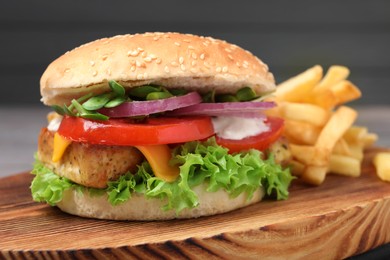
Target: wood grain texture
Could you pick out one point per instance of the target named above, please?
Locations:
(343, 217)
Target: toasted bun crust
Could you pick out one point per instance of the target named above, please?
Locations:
(170, 59)
(140, 208)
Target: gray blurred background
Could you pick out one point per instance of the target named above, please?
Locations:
(288, 35)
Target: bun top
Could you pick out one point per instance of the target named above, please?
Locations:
(169, 59)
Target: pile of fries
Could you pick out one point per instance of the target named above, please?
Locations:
(318, 126)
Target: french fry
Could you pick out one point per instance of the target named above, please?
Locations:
(382, 165)
(301, 132)
(344, 165)
(356, 151)
(337, 125)
(297, 168)
(324, 98)
(275, 111)
(297, 87)
(322, 140)
(345, 91)
(355, 134)
(304, 112)
(314, 174)
(322, 95)
(341, 148)
(369, 139)
(310, 155)
(334, 75)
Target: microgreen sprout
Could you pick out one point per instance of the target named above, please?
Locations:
(87, 105)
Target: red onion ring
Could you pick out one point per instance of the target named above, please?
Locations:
(241, 109)
(143, 108)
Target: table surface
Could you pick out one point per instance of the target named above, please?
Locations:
(19, 128)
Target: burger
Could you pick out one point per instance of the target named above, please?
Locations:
(158, 126)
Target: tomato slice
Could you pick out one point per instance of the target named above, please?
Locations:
(127, 132)
(260, 142)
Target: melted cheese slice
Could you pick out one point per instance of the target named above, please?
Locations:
(158, 157)
(59, 147)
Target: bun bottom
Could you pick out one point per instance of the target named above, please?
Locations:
(140, 208)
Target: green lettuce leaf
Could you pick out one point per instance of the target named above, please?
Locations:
(47, 186)
(199, 162)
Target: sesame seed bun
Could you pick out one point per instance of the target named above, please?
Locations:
(169, 59)
(140, 208)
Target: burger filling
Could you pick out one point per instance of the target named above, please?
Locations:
(161, 143)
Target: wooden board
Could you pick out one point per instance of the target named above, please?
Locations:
(343, 217)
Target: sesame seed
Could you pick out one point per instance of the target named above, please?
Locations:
(133, 68)
(174, 64)
(181, 60)
(158, 61)
(152, 56)
(238, 64)
(140, 76)
(187, 41)
(94, 73)
(177, 43)
(109, 72)
(201, 56)
(218, 69)
(193, 63)
(230, 57)
(193, 70)
(228, 50)
(145, 75)
(140, 49)
(133, 53)
(140, 64)
(194, 56)
(206, 64)
(166, 69)
(191, 47)
(148, 59)
(92, 63)
(183, 68)
(156, 38)
(66, 70)
(225, 69)
(143, 55)
(245, 65)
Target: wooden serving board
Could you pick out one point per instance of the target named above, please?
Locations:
(343, 217)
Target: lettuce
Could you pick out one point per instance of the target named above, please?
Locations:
(47, 186)
(199, 162)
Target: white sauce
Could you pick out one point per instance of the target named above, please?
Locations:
(237, 128)
(54, 124)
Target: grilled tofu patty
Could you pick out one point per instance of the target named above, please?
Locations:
(87, 164)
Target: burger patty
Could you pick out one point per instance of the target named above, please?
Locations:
(87, 164)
